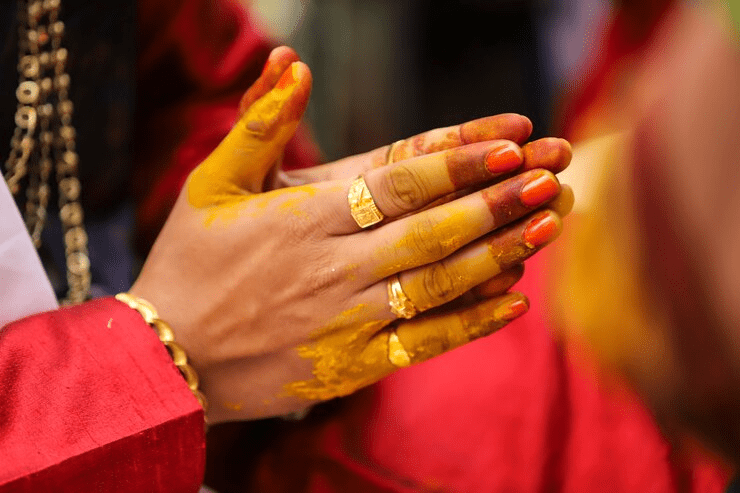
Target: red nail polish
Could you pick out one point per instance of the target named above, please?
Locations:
(503, 159)
(515, 310)
(539, 190)
(288, 77)
(541, 230)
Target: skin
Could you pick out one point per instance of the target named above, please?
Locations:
(277, 295)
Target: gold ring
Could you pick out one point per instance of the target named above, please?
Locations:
(391, 150)
(401, 305)
(397, 354)
(361, 204)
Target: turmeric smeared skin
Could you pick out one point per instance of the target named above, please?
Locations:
(430, 336)
(500, 127)
(507, 126)
(448, 227)
(550, 153)
(515, 243)
(433, 285)
(474, 164)
(348, 354)
(500, 283)
(236, 165)
(505, 200)
(451, 229)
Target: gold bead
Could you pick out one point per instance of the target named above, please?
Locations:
(27, 143)
(46, 85)
(61, 81)
(35, 10)
(33, 37)
(51, 5)
(190, 376)
(71, 214)
(177, 353)
(67, 132)
(75, 238)
(29, 66)
(70, 188)
(61, 55)
(70, 158)
(65, 108)
(46, 111)
(43, 193)
(78, 263)
(25, 117)
(164, 331)
(45, 166)
(27, 92)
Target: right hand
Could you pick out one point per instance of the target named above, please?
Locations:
(280, 299)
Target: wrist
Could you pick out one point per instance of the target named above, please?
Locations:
(167, 337)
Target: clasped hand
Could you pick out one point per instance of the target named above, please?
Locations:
(281, 299)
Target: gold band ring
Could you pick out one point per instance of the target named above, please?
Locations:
(361, 204)
(397, 354)
(401, 305)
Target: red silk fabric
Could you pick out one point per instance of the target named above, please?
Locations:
(92, 400)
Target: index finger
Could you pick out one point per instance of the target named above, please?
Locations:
(509, 126)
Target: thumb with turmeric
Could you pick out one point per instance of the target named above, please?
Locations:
(270, 111)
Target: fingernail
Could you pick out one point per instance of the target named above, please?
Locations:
(539, 190)
(288, 78)
(503, 159)
(541, 230)
(515, 310)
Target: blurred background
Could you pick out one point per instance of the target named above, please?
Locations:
(384, 69)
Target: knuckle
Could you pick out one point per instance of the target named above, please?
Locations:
(424, 243)
(298, 223)
(323, 277)
(405, 188)
(439, 284)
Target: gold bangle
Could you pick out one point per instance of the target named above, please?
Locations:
(165, 334)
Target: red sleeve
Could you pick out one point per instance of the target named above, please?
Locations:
(92, 401)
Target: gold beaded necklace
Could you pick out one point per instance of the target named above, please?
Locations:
(44, 138)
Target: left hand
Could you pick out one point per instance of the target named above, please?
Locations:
(280, 299)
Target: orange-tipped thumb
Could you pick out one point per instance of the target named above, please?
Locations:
(242, 160)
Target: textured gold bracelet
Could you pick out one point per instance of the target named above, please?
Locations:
(165, 334)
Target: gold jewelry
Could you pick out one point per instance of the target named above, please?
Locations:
(391, 150)
(165, 334)
(361, 204)
(44, 138)
(401, 305)
(397, 354)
